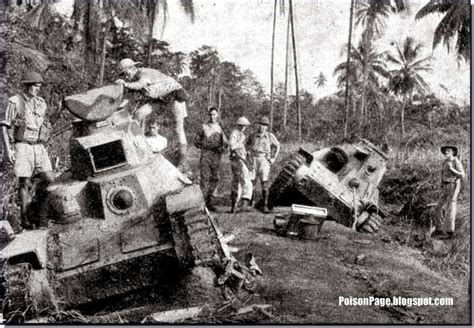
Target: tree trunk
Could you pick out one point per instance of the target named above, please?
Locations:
(349, 47)
(287, 61)
(220, 99)
(151, 22)
(272, 64)
(102, 58)
(298, 109)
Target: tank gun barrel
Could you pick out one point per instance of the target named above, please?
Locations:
(97, 104)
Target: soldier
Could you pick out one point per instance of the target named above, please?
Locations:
(157, 88)
(26, 127)
(241, 186)
(261, 144)
(452, 173)
(156, 141)
(212, 142)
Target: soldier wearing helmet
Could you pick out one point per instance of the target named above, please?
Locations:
(158, 89)
(264, 148)
(241, 185)
(25, 130)
(212, 142)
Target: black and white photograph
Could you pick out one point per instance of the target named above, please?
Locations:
(235, 162)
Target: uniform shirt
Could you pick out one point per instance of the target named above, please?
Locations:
(211, 137)
(25, 115)
(446, 174)
(237, 143)
(154, 83)
(261, 143)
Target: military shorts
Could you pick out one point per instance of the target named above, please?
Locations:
(30, 160)
(261, 168)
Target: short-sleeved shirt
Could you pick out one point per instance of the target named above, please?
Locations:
(261, 143)
(211, 137)
(155, 82)
(237, 142)
(25, 116)
(446, 174)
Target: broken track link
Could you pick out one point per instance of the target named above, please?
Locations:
(200, 235)
(18, 304)
(285, 177)
(372, 224)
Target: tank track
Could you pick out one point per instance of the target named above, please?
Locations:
(201, 236)
(285, 177)
(18, 305)
(371, 225)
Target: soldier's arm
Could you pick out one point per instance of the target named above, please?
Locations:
(138, 85)
(10, 115)
(276, 145)
(198, 141)
(456, 168)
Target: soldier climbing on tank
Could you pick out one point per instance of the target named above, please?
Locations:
(25, 130)
(241, 186)
(158, 89)
(212, 141)
(264, 149)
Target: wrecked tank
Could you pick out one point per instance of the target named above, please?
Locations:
(343, 179)
(121, 219)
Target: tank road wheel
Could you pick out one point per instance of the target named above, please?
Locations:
(285, 177)
(26, 296)
(372, 224)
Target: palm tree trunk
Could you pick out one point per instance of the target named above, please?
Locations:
(220, 99)
(102, 58)
(298, 109)
(272, 64)
(151, 19)
(287, 61)
(402, 116)
(346, 96)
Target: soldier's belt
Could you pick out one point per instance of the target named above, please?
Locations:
(448, 181)
(29, 142)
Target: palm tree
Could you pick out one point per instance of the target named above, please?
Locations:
(271, 63)
(363, 61)
(454, 26)
(405, 79)
(321, 80)
(295, 61)
(349, 46)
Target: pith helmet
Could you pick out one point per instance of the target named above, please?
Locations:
(32, 78)
(124, 64)
(243, 121)
(264, 120)
(454, 148)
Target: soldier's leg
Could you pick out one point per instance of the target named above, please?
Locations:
(214, 177)
(439, 219)
(141, 113)
(24, 195)
(247, 188)
(23, 169)
(452, 207)
(265, 175)
(235, 187)
(179, 113)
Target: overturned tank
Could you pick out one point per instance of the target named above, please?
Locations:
(343, 179)
(123, 218)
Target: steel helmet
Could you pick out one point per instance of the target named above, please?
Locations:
(243, 121)
(32, 78)
(124, 64)
(264, 120)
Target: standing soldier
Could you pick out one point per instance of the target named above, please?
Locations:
(158, 89)
(212, 142)
(241, 186)
(264, 148)
(26, 128)
(452, 173)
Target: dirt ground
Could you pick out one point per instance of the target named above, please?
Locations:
(304, 279)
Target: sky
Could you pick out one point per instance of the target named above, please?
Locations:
(240, 30)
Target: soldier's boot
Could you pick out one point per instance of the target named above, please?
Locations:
(245, 206)
(265, 208)
(233, 202)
